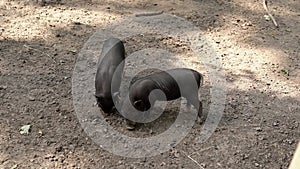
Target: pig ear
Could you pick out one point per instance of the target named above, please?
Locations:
(138, 103)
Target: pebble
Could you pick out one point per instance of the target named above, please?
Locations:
(176, 155)
(49, 156)
(258, 129)
(3, 87)
(162, 164)
(58, 149)
(276, 123)
(31, 98)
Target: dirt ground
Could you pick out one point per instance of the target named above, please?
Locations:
(39, 45)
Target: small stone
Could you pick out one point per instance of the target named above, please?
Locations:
(256, 164)
(58, 149)
(31, 98)
(245, 156)
(129, 127)
(74, 51)
(276, 123)
(261, 138)
(49, 156)
(162, 164)
(290, 142)
(77, 23)
(3, 87)
(259, 129)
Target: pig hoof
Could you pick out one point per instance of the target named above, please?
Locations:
(200, 120)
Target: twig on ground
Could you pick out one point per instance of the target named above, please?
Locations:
(149, 14)
(261, 121)
(192, 159)
(202, 150)
(267, 10)
(30, 47)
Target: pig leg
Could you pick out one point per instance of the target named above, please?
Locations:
(117, 97)
(201, 118)
(189, 105)
(196, 102)
(200, 109)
